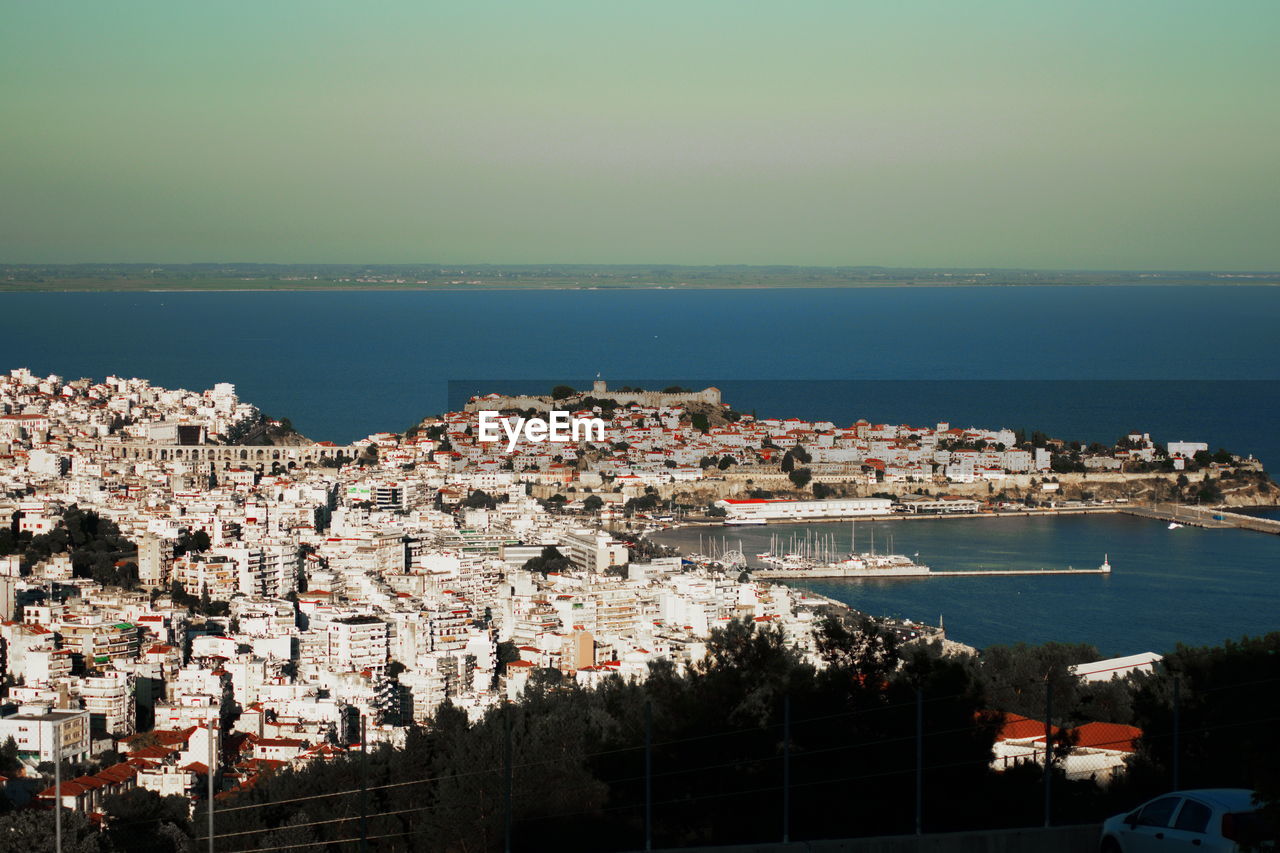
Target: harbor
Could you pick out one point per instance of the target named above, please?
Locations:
(814, 556)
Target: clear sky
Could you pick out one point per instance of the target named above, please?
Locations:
(1081, 134)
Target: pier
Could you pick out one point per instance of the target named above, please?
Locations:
(862, 574)
(1194, 516)
(994, 572)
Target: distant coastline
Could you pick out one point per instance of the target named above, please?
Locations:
(244, 278)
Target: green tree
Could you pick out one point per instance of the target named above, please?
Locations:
(140, 819)
(9, 760)
(479, 499)
(32, 831)
(800, 477)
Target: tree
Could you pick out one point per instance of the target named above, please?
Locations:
(480, 499)
(1209, 492)
(857, 646)
(800, 477)
(9, 760)
(140, 819)
(562, 392)
(593, 503)
(551, 560)
(1018, 673)
(645, 503)
(32, 831)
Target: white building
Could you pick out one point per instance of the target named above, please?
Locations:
(357, 643)
(593, 550)
(40, 732)
(761, 509)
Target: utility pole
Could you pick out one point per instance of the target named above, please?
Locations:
(57, 788)
(919, 760)
(1048, 751)
(507, 788)
(364, 773)
(648, 775)
(1177, 745)
(786, 768)
(213, 738)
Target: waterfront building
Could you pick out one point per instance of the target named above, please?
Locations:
(765, 509)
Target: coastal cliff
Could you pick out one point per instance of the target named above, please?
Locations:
(1242, 487)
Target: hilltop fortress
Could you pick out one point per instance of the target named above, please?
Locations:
(600, 391)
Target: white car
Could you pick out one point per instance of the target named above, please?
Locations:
(1210, 820)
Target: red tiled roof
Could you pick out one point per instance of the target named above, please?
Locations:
(1113, 736)
(1018, 727)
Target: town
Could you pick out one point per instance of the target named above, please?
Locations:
(191, 590)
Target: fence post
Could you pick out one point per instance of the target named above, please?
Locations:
(213, 736)
(364, 772)
(919, 760)
(57, 792)
(1048, 751)
(506, 794)
(1177, 736)
(786, 768)
(648, 774)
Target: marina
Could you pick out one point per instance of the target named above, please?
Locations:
(811, 555)
(1198, 586)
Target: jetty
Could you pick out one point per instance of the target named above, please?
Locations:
(915, 571)
(1195, 516)
(978, 573)
(841, 574)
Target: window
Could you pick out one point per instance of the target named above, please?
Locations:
(1159, 812)
(1194, 817)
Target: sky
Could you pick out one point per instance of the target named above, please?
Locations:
(1071, 135)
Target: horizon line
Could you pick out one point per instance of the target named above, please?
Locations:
(647, 265)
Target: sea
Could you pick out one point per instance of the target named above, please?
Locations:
(1194, 363)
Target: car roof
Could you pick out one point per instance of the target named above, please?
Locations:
(1239, 799)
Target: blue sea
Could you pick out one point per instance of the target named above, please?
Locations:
(1086, 363)
(1191, 585)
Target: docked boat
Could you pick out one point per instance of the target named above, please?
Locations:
(852, 566)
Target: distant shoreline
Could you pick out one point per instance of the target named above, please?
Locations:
(289, 287)
(430, 276)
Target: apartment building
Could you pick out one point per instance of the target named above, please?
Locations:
(42, 732)
(357, 643)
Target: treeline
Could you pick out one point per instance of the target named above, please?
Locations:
(727, 733)
(720, 731)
